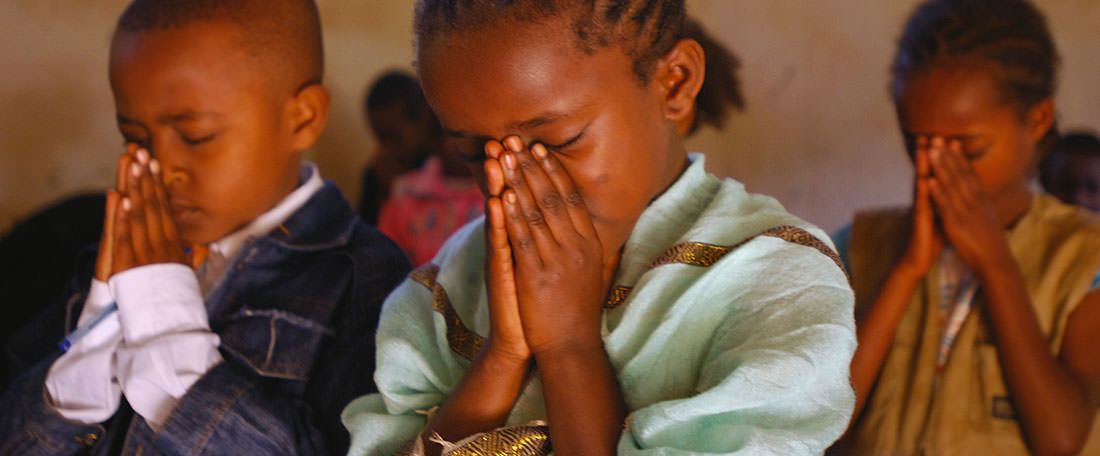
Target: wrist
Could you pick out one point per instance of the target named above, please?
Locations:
(505, 355)
(909, 271)
(569, 346)
(998, 262)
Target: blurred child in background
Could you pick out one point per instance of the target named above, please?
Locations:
(977, 306)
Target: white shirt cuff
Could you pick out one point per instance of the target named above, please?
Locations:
(167, 343)
(80, 384)
(157, 299)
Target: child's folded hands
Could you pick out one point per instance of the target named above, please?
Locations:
(967, 213)
(559, 264)
(138, 228)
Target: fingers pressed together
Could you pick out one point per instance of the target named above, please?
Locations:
(138, 228)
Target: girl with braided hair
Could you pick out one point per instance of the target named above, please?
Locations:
(978, 305)
(616, 298)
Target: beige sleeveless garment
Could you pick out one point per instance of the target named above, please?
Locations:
(966, 410)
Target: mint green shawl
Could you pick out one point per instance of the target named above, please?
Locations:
(730, 327)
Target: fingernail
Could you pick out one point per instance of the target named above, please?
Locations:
(513, 143)
(492, 149)
(510, 198)
(539, 150)
(142, 156)
(509, 161)
(126, 204)
(154, 166)
(135, 169)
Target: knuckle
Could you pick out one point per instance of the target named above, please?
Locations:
(525, 244)
(551, 200)
(535, 218)
(527, 164)
(574, 198)
(515, 180)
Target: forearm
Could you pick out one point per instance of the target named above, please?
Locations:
(585, 407)
(1051, 403)
(875, 331)
(482, 400)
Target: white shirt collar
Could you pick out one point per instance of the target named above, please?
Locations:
(264, 223)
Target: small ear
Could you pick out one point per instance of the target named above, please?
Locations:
(1040, 119)
(308, 111)
(680, 76)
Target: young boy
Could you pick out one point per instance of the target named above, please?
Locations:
(255, 350)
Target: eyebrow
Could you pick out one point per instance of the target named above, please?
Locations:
(545, 118)
(186, 116)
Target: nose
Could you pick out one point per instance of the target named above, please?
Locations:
(172, 161)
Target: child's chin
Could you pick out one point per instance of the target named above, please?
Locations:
(197, 235)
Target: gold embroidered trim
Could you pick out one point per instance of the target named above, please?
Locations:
(704, 255)
(802, 237)
(616, 297)
(509, 441)
(693, 253)
(461, 339)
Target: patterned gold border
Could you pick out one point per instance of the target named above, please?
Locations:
(509, 441)
(461, 339)
(704, 255)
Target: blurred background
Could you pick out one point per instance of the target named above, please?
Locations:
(819, 133)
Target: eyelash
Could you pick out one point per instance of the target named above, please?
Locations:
(564, 145)
(197, 141)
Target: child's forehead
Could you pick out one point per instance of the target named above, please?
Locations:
(165, 74)
(207, 40)
(520, 94)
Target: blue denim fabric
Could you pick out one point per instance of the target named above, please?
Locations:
(296, 314)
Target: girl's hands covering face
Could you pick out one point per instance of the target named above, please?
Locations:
(967, 213)
(558, 258)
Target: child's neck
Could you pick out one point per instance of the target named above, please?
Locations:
(1012, 204)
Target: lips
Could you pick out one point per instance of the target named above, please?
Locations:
(184, 211)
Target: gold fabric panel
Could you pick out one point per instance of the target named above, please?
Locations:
(704, 255)
(461, 339)
(510, 441)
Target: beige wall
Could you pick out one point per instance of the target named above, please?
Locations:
(819, 134)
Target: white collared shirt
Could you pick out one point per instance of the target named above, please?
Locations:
(159, 342)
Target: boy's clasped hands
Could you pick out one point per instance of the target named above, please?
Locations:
(546, 270)
(139, 228)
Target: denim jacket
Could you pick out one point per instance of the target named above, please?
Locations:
(296, 313)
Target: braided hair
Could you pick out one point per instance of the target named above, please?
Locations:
(645, 29)
(1011, 35)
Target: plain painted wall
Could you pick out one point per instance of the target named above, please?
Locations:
(819, 133)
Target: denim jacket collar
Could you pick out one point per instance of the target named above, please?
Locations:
(324, 222)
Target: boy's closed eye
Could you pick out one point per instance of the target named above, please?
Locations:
(197, 138)
(563, 146)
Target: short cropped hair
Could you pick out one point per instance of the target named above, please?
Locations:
(285, 34)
